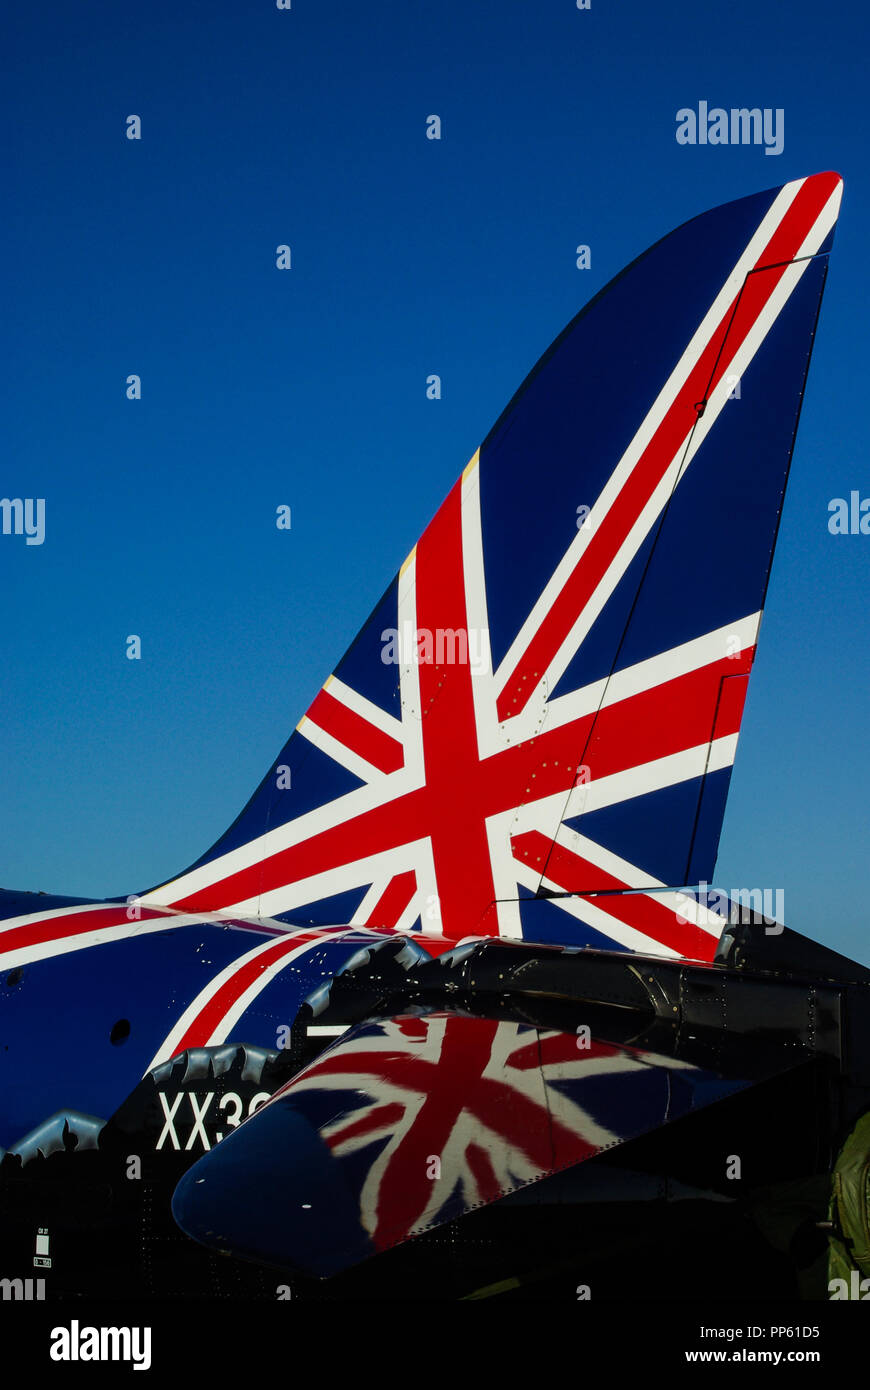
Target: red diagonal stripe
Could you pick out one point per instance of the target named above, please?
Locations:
(201, 1028)
(76, 924)
(383, 1117)
(670, 436)
(393, 901)
(349, 728)
(572, 872)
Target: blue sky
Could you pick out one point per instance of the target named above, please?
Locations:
(307, 388)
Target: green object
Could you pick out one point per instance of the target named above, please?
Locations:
(849, 1214)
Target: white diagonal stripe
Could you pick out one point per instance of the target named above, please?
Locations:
(366, 709)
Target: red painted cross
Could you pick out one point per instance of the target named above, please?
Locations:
(462, 789)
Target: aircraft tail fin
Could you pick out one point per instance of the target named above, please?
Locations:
(534, 731)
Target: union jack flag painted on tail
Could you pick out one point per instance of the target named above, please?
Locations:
(532, 735)
(534, 731)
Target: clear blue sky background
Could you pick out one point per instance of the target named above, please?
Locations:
(308, 387)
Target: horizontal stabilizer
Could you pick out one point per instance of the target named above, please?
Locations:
(408, 1123)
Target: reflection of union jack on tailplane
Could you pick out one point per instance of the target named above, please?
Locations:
(445, 975)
